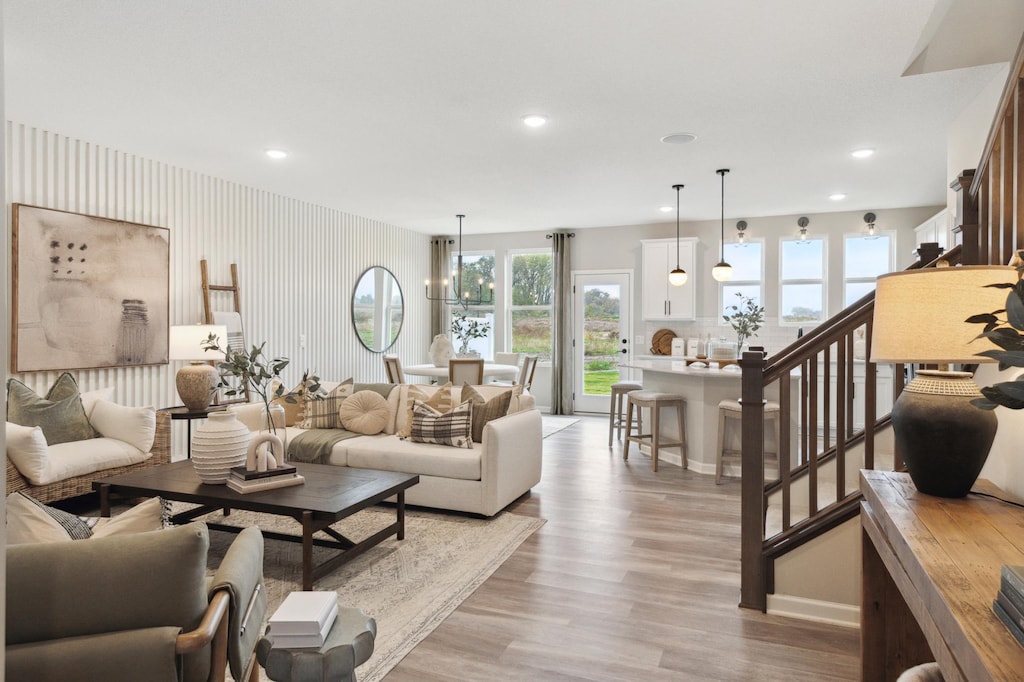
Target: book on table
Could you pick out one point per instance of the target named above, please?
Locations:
(304, 641)
(244, 474)
(240, 485)
(304, 613)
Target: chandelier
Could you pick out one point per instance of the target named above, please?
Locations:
(457, 294)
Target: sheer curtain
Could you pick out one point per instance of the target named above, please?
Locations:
(440, 267)
(561, 324)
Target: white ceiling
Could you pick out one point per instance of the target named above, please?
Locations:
(409, 111)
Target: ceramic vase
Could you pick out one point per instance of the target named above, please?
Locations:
(440, 350)
(218, 444)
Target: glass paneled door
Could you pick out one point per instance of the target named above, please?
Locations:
(602, 328)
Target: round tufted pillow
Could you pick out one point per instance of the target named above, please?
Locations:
(364, 412)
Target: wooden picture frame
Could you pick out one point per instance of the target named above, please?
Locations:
(88, 292)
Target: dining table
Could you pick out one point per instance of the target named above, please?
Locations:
(492, 370)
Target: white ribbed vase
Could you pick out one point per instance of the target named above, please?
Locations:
(217, 445)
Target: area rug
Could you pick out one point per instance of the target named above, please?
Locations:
(553, 424)
(409, 587)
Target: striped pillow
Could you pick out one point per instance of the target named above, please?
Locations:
(453, 428)
(323, 414)
(485, 410)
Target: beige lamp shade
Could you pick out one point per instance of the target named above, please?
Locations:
(920, 314)
(197, 381)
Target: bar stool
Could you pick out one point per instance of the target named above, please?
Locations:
(615, 416)
(654, 401)
(731, 409)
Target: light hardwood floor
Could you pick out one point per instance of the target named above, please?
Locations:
(635, 576)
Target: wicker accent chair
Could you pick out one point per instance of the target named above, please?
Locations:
(81, 485)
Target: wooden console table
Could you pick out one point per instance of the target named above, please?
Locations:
(931, 570)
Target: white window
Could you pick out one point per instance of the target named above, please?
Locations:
(477, 276)
(747, 261)
(802, 292)
(864, 259)
(529, 303)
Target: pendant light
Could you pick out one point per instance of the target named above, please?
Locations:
(723, 271)
(458, 295)
(677, 277)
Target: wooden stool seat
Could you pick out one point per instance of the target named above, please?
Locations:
(732, 409)
(615, 416)
(654, 401)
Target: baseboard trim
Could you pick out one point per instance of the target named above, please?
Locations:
(813, 609)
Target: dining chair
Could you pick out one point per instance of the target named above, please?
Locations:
(393, 366)
(526, 371)
(507, 358)
(466, 371)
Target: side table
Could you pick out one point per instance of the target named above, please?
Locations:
(349, 644)
(182, 412)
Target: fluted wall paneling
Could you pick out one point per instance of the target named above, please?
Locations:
(297, 262)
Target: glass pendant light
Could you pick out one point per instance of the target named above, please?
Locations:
(677, 277)
(723, 271)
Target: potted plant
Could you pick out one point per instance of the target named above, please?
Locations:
(1005, 333)
(466, 329)
(746, 318)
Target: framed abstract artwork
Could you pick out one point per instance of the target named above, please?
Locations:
(89, 292)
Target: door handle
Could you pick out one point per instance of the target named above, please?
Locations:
(623, 351)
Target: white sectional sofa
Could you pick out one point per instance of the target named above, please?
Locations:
(481, 480)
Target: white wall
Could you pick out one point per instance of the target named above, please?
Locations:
(298, 263)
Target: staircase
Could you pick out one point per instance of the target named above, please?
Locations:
(819, 489)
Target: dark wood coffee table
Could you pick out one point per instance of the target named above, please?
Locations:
(330, 493)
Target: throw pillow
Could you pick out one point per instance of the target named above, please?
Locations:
(30, 521)
(485, 410)
(440, 400)
(60, 414)
(454, 428)
(364, 412)
(133, 425)
(28, 451)
(89, 399)
(323, 414)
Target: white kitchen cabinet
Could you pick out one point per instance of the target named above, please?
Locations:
(935, 229)
(661, 300)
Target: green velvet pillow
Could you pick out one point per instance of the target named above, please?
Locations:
(60, 414)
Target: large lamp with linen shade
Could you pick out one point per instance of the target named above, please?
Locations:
(920, 317)
(197, 380)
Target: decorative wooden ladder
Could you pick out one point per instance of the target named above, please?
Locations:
(208, 309)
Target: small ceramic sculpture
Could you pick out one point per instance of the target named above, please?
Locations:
(441, 350)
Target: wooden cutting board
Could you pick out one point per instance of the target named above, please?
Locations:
(661, 342)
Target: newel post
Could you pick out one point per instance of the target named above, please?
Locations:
(967, 229)
(753, 589)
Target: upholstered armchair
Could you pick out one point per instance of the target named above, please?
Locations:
(134, 607)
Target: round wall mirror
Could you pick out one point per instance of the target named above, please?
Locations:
(377, 309)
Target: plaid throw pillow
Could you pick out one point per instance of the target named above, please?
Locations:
(441, 400)
(453, 428)
(323, 414)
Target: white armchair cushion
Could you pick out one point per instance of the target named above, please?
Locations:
(27, 450)
(90, 398)
(82, 457)
(133, 425)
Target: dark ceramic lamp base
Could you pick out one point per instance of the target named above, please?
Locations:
(943, 439)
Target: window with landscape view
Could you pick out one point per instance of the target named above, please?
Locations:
(477, 273)
(865, 257)
(747, 264)
(802, 280)
(530, 303)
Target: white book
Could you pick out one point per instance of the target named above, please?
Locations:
(284, 641)
(304, 613)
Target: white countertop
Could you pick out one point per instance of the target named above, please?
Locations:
(677, 365)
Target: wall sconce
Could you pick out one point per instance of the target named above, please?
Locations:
(803, 222)
(741, 231)
(869, 218)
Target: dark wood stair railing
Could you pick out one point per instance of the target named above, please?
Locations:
(824, 416)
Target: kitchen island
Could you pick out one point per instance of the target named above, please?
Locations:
(702, 388)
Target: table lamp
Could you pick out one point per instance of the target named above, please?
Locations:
(919, 317)
(196, 381)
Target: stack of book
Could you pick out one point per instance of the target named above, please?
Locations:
(241, 480)
(303, 620)
(1009, 603)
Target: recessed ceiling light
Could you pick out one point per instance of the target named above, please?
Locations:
(665, 209)
(535, 120)
(679, 138)
(838, 196)
(862, 153)
(276, 153)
